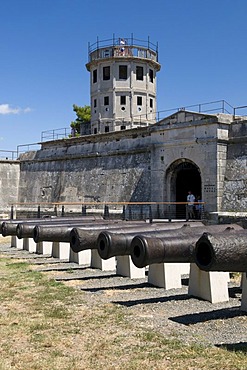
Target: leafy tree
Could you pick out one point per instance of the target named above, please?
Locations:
(83, 116)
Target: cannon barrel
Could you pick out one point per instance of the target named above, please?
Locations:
(60, 232)
(9, 227)
(222, 252)
(24, 230)
(78, 241)
(149, 250)
(111, 243)
(53, 234)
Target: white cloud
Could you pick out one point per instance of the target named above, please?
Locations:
(7, 109)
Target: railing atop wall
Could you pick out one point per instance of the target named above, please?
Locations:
(237, 109)
(56, 134)
(8, 154)
(27, 148)
(218, 106)
(124, 210)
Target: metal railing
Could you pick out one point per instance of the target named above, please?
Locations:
(130, 42)
(125, 210)
(8, 155)
(218, 106)
(237, 108)
(23, 148)
(56, 134)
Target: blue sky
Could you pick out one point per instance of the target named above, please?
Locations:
(44, 47)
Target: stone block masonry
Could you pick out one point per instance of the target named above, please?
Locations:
(9, 185)
(108, 170)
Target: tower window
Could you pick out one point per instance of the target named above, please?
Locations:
(122, 72)
(106, 100)
(139, 100)
(95, 130)
(139, 73)
(95, 103)
(123, 99)
(151, 75)
(107, 129)
(106, 73)
(107, 53)
(123, 127)
(151, 103)
(94, 76)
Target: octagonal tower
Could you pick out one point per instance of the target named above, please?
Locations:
(122, 83)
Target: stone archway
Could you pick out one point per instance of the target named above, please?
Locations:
(183, 175)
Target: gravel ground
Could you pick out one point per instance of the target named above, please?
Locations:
(171, 312)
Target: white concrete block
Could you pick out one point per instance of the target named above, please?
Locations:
(165, 275)
(16, 243)
(211, 286)
(61, 250)
(44, 248)
(184, 268)
(125, 267)
(82, 258)
(244, 292)
(29, 245)
(99, 263)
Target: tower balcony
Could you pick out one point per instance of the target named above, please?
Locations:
(129, 48)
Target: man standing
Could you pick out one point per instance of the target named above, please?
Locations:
(190, 205)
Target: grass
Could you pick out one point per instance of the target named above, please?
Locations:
(48, 325)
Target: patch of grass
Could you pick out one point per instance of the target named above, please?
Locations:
(17, 265)
(57, 313)
(47, 325)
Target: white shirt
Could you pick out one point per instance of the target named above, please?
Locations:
(190, 199)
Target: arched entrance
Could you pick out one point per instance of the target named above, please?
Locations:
(184, 176)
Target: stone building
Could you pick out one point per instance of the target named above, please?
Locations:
(136, 160)
(122, 84)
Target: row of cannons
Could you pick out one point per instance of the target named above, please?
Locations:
(163, 250)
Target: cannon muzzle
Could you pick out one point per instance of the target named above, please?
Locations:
(111, 244)
(118, 242)
(121, 243)
(146, 250)
(222, 252)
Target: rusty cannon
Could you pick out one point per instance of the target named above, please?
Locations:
(147, 250)
(11, 227)
(61, 232)
(222, 252)
(118, 243)
(82, 239)
(40, 230)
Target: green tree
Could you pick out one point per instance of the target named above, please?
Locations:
(83, 116)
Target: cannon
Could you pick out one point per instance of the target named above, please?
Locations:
(79, 240)
(24, 230)
(61, 232)
(111, 243)
(147, 250)
(226, 251)
(9, 227)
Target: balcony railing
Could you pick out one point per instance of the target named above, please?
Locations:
(123, 47)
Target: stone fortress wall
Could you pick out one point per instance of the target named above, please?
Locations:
(107, 168)
(139, 165)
